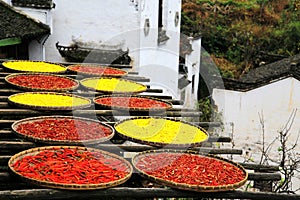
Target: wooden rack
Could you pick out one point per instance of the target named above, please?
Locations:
(11, 188)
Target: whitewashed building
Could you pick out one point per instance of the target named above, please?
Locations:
(265, 101)
(147, 31)
(271, 91)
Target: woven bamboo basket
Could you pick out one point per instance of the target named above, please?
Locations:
(167, 104)
(184, 186)
(41, 77)
(54, 140)
(119, 82)
(34, 66)
(148, 141)
(86, 67)
(44, 106)
(57, 185)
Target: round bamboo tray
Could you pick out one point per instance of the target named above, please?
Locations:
(112, 85)
(60, 184)
(154, 104)
(161, 132)
(96, 70)
(34, 66)
(40, 79)
(49, 131)
(179, 184)
(43, 101)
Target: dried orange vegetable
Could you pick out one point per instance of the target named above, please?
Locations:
(48, 99)
(113, 85)
(157, 130)
(34, 66)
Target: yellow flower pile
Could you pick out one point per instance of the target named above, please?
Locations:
(112, 85)
(161, 131)
(34, 66)
(48, 100)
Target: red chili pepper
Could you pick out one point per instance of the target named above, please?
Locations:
(98, 70)
(64, 129)
(190, 169)
(71, 166)
(40, 81)
(132, 102)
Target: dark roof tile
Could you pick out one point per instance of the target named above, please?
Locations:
(15, 24)
(41, 4)
(287, 67)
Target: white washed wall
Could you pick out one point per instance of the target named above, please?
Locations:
(160, 62)
(192, 61)
(275, 101)
(93, 22)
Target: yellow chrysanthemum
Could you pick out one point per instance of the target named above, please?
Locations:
(113, 85)
(161, 131)
(48, 99)
(34, 66)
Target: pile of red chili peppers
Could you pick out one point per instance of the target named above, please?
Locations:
(131, 102)
(96, 70)
(190, 169)
(71, 166)
(64, 129)
(40, 81)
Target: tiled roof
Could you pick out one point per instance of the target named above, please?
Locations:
(42, 4)
(16, 24)
(287, 67)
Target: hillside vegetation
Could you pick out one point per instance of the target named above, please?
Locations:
(242, 34)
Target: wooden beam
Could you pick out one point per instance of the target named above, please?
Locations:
(5, 176)
(264, 176)
(259, 167)
(139, 148)
(3, 98)
(28, 112)
(4, 134)
(4, 160)
(125, 192)
(5, 123)
(13, 91)
(6, 105)
(22, 145)
(202, 124)
(9, 134)
(16, 145)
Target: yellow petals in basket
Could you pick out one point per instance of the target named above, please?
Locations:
(113, 85)
(161, 131)
(49, 101)
(34, 66)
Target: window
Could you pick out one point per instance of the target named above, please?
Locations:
(19, 51)
(160, 14)
(162, 36)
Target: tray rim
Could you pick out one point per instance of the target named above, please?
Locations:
(27, 88)
(161, 144)
(46, 108)
(182, 186)
(69, 186)
(61, 142)
(97, 75)
(35, 61)
(170, 105)
(113, 92)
